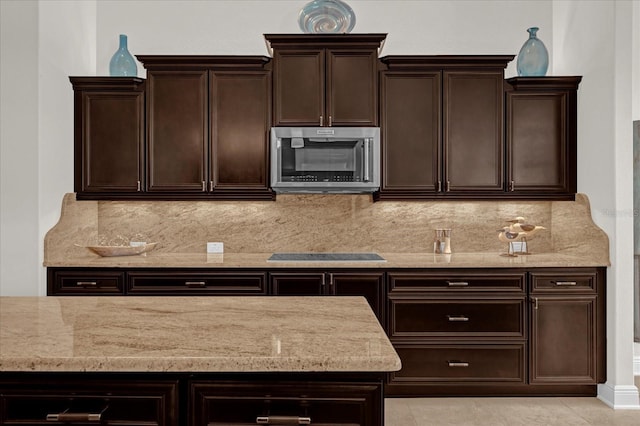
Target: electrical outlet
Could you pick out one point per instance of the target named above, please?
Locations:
(215, 247)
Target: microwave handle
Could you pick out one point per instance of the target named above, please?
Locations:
(365, 178)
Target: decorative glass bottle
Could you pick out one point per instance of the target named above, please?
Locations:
(122, 63)
(533, 59)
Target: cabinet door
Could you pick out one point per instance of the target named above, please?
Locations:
(299, 87)
(240, 120)
(539, 154)
(354, 284)
(564, 340)
(177, 131)
(298, 284)
(410, 115)
(352, 87)
(473, 149)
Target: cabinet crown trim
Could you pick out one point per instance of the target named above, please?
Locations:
(448, 61)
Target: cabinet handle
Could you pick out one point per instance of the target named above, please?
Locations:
(457, 364)
(457, 283)
(439, 186)
(512, 186)
(454, 318)
(331, 283)
(534, 300)
(321, 121)
(367, 147)
(330, 121)
(447, 186)
(87, 284)
(204, 186)
(195, 284)
(323, 283)
(565, 283)
(139, 186)
(76, 417)
(210, 186)
(283, 420)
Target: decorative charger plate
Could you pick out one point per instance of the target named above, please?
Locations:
(111, 251)
(326, 16)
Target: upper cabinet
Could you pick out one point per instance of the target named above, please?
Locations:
(108, 136)
(442, 126)
(325, 79)
(208, 120)
(541, 136)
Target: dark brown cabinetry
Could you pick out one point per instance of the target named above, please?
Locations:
(567, 327)
(325, 79)
(369, 285)
(441, 121)
(282, 403)
(541, 114)
(52, 400)
(108, 136)
(454, 328)
(208, 120)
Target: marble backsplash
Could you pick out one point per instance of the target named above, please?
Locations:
(321, 223)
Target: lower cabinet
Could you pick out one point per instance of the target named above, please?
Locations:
(194, 399)
(497, 332)
(47, 400)
(282, 403)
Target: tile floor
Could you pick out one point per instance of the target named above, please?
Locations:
(505, 412)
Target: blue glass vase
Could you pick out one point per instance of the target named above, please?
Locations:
(533, 59)
(122, 63)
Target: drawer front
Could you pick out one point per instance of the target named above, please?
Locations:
(327, 404)
(543, 282)
(457, 318)
(159, 283)
(424, 364)
(492, 280)
(130, 403)
(70, 282)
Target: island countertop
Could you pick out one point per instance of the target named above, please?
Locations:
(192, 334)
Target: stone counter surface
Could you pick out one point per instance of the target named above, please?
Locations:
(192, 334)
(392, 260)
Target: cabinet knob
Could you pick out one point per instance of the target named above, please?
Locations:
(283, 420)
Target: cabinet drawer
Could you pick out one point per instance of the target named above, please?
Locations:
(57, 402)
(422, 364)
(457, 318)
(66, 282)
(564, 281)
(159, 282)
(451, 281)
(328, 404)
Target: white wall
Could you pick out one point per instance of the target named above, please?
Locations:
(45, 42)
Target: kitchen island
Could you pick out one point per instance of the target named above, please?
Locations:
(192, 360)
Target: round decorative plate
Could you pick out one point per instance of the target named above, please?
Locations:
(326, 16)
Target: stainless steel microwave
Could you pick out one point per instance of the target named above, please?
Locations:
(325, 159)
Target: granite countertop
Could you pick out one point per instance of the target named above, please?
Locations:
(192, 334)
(392, 260)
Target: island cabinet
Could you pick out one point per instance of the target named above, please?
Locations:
(355, 283)
(208, 119)
(442, 127)
(497, 332)
(108, 136)
(541, 121)
(325, 79)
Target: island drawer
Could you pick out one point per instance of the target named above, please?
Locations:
(564, 281)
(327, 404)
(196, 282)
(69, 282)
(59, 401)
(482, 363)
(456, 318)
(490, 280)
